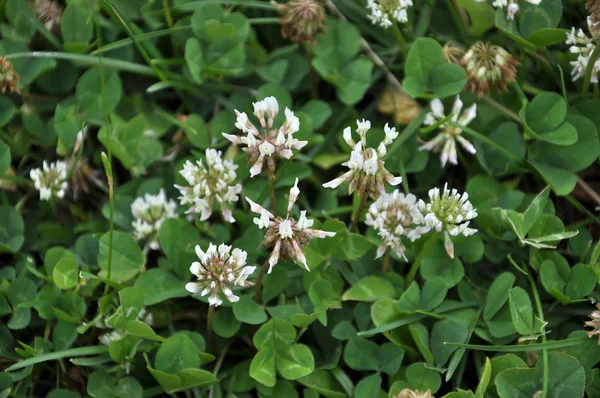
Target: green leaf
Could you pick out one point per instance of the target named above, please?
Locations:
(423, 378)
(177, 353)
(295, 361)
(140, 329)
(581, 282)
(517, 383)
(370, 289)
(533, 18)
(425, 54)
(498, 294)
(96, 95)
(77, 24)
(546, 37)
(159, 285)
(481, 15)
(390, 357)
(262, 368)
(442, 333)
(370, 386)
(7, 110)
(65, 273)
(247, 311)
(546, 112)
(561, 181)
(521, 311)
(361, 354)
(127, 258)
(11, 230)
(194, 59)
(177, 239)
(484, 381)
(5, 158)
(433, 293)
(225, 324)
(323, 383)
(447, 79)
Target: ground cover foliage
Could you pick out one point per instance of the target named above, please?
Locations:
(338, 198)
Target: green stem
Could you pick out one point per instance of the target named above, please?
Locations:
(358, 213)
(274, 207)
(457, 19)
(513, 115)
(400, 39)
(386, 260)
(212, 343)
(259, 280)
(169, 19)
(136, 43)
(540, 310)
(417, 263)
(264, 21)
(589, 70)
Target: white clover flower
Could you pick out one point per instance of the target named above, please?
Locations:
(384, 12)
(367, 172)
(50, 180)
(583, 46)
(286, 236)
(449, 212)
(512, 6)
(446, 139)
(209, 184)
(219, 270)
(149, 213)
(270, 144)
(109, 337)
(391, 216)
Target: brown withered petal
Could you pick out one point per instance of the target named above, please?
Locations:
(8, 76)
(453, 52)
(488, 66)
(48, 11)
(399, 104)
(408, 393)
(302, 20)
(83, 176)
(594, 323)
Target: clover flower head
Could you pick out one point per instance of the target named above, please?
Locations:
(593, 9)
(302, 20)
(367, 172)
(208, 184)
(219, 270)
(594, 323)
(453, 52)
(448, 212)
(488, 66)
(446, 139)
(50, 180)
(287, 236)
(8, 77)
(391, 216)
(583, 46)
(269, 144)
(408, 393)
(512, 6)
(149, 213)
(384, 12)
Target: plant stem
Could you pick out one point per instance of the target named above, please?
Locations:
(457, 18)
(212, 343)
(275, 209)
(400, 39)
(358, 212)
(264, 21)
(538, 304)
(513, 115)
(386, 260)
(417, 264)
(259, 280)
(169, 19)
(589, 70)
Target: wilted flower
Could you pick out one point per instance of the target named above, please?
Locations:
(593, 8)
(594, 323)
(50, 180)
(83, 172)
(583, 46)
(271, 143)
(391, 216)
(512, 6)
(367, 172)
(8, 76)
(408, 393)
(401, 105)
(488, 66)
(449, 212)
(286, 236)
(48, 11)
(383, 12)
(302, 20)
(446, 139)
(209, 184)
(453, 52)
(149, 213)
(219, 270)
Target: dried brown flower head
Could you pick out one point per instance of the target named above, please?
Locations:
(398, 103)
(408, 393)
(488, 66)
(593, 9)
(453, 52)
(48, 11)
(594, 323)
(8, 76)
(302, 20)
